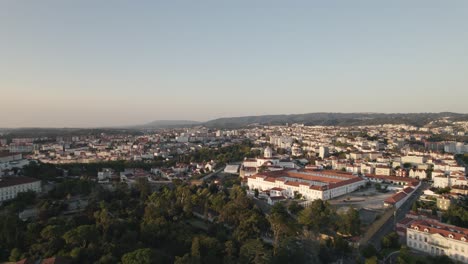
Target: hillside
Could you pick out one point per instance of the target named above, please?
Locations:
(337, 119)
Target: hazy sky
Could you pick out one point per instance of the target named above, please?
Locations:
(99, 63)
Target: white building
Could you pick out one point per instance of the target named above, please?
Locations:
(435, 238)
(417, 173)
(11, 186)
(311, 184)
(323, 152)
(448, 181)
(232, 169)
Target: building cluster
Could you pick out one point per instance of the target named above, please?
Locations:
(290, 162)
(310, 184)
(161, 144)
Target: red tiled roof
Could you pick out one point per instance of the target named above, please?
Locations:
(8, 154)
(406, 221)
(309, 175)
(12, 181)
(391, 178)
(277, 189)
(395, 198)
(407, 190)
(435, 227)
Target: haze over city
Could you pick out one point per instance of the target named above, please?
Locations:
(111, 63)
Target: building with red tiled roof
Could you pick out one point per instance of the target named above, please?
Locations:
(436, 238)
(311, 184)
(396, 200)
(11, 186)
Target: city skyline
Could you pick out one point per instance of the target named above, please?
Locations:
(115, 63)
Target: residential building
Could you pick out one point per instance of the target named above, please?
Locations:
(11, 186)
(448, 181)
(443, 203)
(436, 238)
(311, 184)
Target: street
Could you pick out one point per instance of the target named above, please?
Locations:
(389, 226)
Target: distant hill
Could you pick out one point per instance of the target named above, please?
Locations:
(337, 119)
(169, 123)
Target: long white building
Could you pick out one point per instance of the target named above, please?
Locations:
(436, 238)
(11, 186)
(311, 184)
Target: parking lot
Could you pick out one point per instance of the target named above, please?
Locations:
(368, 198)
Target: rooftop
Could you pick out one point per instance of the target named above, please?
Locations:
(12, 181)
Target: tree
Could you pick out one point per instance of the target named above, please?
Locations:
(81, 236)
(253, 251)
(414, 207)
(229, 252)
(15, 255)
(407, 165)
(143, 187)
(390, 241)
(280, 224)
(350, 222)
(318, 216)
(369, 251)
(371, 260)
(139, 256)
(295, 207)
(256, 193)
(378, 187)
(404, 257)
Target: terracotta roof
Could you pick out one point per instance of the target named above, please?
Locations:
(391, 178)
(12, 181)
(407, 190)
(406, 221)
(8, 154)
(277, 189)
(395, 198)
(435, 227)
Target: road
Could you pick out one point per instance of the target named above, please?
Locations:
(389, 226)
(213, 173)
(391, 258)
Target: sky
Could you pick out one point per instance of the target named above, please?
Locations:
(109, 62)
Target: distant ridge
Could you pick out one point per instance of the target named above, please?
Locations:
(337, 119)
(168, 123)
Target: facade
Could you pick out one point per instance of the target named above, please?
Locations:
(435, 238)
(399, 198)
(383, 170)
(417, 173)
(8, 157)
(443, 203)
(323, 152)
(21, 147)
(413, 159)
(311, 184)
(11, 186)
(449, 181)
(459, 189)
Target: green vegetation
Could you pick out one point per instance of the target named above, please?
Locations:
(224, 155)
(390, 241)
(185, 224)
(456, 215)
